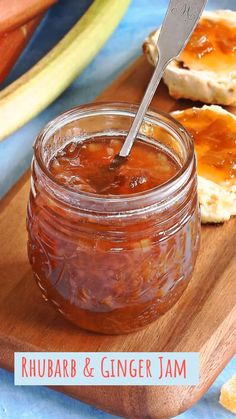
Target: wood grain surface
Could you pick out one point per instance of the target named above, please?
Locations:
(203, 320)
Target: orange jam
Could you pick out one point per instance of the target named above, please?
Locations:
(87, 167)
(214, 137)
(112, 249)
(211, 47)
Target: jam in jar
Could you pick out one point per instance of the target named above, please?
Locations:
(112, 248)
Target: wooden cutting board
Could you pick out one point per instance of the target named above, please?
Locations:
(204, 319)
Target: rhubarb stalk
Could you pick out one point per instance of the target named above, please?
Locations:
(14, 13)
(13, 43)
(44, 82)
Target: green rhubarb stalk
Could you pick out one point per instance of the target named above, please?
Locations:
(45, 81)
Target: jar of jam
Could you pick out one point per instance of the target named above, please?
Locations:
(112, 248)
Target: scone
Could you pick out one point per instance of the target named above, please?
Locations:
(214, 132)
(228, 395)
(206, 69)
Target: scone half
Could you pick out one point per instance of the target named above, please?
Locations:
(208, 86)
(216, 186)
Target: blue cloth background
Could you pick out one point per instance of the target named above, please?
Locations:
(15, 154)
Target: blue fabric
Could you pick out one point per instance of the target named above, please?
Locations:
(15, 155)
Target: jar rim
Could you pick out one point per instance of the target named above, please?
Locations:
(125, 109)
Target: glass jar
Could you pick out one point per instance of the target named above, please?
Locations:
(113, 264)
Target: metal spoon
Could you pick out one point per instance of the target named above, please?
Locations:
(180, 20)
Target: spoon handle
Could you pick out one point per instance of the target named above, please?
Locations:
(180, 20)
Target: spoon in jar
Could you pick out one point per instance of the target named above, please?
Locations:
(180, 21)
